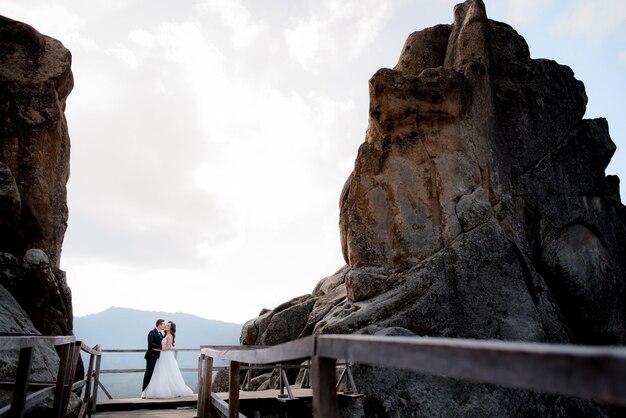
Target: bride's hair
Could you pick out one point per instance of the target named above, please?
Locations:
(172, 331)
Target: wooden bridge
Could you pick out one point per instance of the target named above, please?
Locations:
(589, 372)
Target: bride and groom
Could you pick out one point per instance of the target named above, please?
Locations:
(163, 378)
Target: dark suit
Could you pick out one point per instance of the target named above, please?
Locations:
(154, 341)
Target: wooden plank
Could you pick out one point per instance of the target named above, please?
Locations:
(293, 350)
(233, 390)
(143, 350)
(207, 380)
(21, 383)
(93, 351)
(267, 394)
(65, 360)
(96, 381)
(588, 372)
(8, 342)
(75, 357)
(223, 407)
(129, 404)
(323, 383)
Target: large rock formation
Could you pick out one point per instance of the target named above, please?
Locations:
(478, 208)
(35, 80)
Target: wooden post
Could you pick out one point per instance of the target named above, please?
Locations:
(64, 366)
(21, 382)
(201, 358)
(89, 378)
(281, 383)
(96, 382)
(205, 397)
(323, 385)
(75, 357)
(233, 390)
(283, 377)
(353, 389)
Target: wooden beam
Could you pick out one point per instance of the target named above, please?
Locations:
(303, 348)
(65, 361)
(587, 372)
(9, 342)
(21, 383)
(323, 384)
(233, 390)
(207, 380)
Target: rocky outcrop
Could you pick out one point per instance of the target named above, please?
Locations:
(14, 320)
(35, 80)
(478, 208)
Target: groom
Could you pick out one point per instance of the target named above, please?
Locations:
(154, 342)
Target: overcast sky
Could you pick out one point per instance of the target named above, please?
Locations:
(211, 138)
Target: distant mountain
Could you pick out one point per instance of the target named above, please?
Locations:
(123, 328)
(128, 328)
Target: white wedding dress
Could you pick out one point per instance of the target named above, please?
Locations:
(166, 381)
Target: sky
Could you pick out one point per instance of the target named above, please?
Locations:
(211, 138)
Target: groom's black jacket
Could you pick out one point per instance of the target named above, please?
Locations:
(154, 341)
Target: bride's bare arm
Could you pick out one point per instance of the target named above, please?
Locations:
(168, 343)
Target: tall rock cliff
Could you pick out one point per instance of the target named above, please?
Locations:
(478, 208)
(35, 80)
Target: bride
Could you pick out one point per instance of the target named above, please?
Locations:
(167, 381)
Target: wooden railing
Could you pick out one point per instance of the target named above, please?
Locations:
(61, 388)
(139, 370)
(590, 372)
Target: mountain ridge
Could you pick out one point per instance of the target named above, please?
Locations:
(127, 328)
(94, 328)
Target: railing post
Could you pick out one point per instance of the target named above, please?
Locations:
(283, 377)
(323, 385)
(233, 390)
(96, 382)
(204, 398)
(353, 389)
(201, 364)
(281, 383)
(64, 366)
(75, 357)
(246, 380)
(88, 382)
(21, 382)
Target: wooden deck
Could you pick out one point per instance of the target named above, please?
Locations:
(184, 407)
(160, 413)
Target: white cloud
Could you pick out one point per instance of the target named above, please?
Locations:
(143, 38)
(336, 30)
(125, 55)
(305, 42)
(236, 17)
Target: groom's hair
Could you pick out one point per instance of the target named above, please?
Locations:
(159, 322)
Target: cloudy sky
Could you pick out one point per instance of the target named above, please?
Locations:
(211, 138)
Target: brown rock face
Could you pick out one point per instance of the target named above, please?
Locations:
(35, 80)
(478, 208)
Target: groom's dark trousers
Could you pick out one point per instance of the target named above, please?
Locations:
(154, 341)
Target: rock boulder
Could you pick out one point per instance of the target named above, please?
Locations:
(478, 208)
(35, 80)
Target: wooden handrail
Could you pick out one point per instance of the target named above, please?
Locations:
(63, 386)
(16, 342)
(583, 371)
(293, 350)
